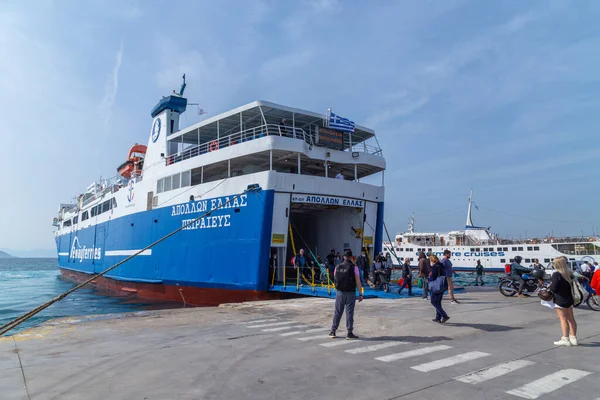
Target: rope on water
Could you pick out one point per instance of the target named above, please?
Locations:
(19, 320)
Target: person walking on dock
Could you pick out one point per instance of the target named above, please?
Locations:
(437, 270)
(449, 272)
(300, 261)
(347, 280)
(331, 263)
(424, 271)
(406, 277)
(478, 273)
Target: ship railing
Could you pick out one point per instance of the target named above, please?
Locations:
(256, 133)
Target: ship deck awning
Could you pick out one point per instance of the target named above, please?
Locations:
(255, 114)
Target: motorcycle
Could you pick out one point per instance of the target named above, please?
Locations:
(380, 280)
(509, 287)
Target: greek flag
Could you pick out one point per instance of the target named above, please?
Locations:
(339, 123)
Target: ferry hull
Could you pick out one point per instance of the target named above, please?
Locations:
(191, 295)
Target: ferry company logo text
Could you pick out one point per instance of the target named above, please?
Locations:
(81, 253)
(203, 206)
(470, 253)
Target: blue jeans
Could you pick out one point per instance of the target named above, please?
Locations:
(343, 300)
(436, 302)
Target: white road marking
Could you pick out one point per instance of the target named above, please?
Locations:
(307, 338)
(308, 331)
(272, 324)
(291, 333)
(338, 342)
(316, 330)
(448, 362)
(374, 347)
(548, 384)
(281, 328)
(493, 372)
(412, 353)
(258, 321)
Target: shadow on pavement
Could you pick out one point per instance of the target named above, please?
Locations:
(593, 344)
(485, 327)
(411, 339)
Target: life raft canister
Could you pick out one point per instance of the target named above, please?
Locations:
(214, 145)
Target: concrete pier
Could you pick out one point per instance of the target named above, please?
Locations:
(492, 347)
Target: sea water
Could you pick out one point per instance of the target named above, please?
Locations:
(26, 283)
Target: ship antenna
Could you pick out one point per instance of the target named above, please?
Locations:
(183, 85)
(411, 224)
(469, 220)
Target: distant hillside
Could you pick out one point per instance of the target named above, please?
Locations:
(5, 255)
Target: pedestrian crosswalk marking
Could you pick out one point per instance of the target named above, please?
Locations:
(493, 372)
(548, 384)
(281, 328)
(307, 338)
(374, 347)
(448, 362)
(272, 324)
(413, 353)
(258, 321)
(338, 342)
(299, 332)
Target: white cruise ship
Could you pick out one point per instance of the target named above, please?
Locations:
(478, 243)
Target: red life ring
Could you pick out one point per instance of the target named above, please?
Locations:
(214, 145)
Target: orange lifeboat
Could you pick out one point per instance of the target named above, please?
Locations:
(134, 162)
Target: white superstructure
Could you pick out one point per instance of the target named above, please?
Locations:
(478, 243)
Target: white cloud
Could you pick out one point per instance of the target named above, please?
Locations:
(111, 87)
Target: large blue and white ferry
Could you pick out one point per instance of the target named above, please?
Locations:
(293, 159)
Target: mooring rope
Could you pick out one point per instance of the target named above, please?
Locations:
(19, 320)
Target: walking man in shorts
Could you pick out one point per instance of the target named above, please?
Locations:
(449, 272)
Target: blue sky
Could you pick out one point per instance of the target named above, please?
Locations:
(501, 97)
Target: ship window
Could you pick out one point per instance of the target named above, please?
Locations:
(114, 203)
(503, 260)
(67, 223)
(106, 206)
(520, 249)
(400, 249)
(186, 178)
(93, 211)
(428, 249)
(84, 216)
(75, 219)
(505, 249)
(528, 260)
(160, 186)
(418, 239)
(512, 260)
(412, 259)
(498, 248)
(175, 181)
(514, 249)
(529, 248)
(546, 260)
(536, 248)
(477, 249)
(472, 249)
(167, 183)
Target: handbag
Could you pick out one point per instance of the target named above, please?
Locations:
(578, 292)
(438, 285)
(420, 282)
(546, 294)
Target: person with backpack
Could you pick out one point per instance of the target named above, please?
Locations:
(562, 288)
(347, 280)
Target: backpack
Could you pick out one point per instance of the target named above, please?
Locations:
(578, 292)
(345, 280)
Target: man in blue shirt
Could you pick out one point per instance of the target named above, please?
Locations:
(448, 269)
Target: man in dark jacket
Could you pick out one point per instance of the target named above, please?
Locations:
(347, 280)
(407, 277)
(331, 263)
(424, 270)
(516, 272)
(361, 263)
